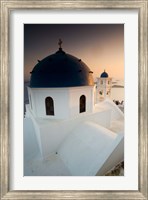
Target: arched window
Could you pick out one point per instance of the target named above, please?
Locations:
(49, 104)
(101, 92)
(82, 104)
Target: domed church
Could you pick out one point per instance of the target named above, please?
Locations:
(57, 74)
(71, 126)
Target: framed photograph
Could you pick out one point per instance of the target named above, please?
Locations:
(62, 88)
(74, 99)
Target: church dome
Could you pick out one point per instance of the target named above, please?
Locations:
(60, 70)
(104, 75)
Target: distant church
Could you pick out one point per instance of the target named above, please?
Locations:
(72, 119)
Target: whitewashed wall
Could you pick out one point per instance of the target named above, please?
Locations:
(88, 147)
(74, 99)
(66, 101)
(51, 133)
(116, 112)
(59, 96)
(103, 84)
(115, 157)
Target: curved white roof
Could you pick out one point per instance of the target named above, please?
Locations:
(87, 148)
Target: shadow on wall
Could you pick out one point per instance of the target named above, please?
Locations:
(26, 100)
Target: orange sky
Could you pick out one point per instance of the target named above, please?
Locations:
(100, 46)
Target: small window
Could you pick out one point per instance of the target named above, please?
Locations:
(82, 104)
(49, 104)
(101, 92)
(101, 82)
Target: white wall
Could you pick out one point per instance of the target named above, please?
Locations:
(115, 157)
(51, 133)
(74, 99)
(87, 148)
(103, 85)
(29, 136)
(117, 114)
(59, 96)
(102, 118)
(66, 101)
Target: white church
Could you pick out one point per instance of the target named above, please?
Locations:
(71, 126)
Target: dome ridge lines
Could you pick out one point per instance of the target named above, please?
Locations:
(61, 70)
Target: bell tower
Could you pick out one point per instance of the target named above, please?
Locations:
(104, 84)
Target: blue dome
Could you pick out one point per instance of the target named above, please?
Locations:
(60, 70)
(104, 75)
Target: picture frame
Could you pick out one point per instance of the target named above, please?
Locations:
(6, 7)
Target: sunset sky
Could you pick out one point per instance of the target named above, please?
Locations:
(100, 46)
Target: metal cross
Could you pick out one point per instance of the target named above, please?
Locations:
(60, 42)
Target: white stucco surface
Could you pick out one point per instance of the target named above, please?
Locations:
(50, 133)
(103, 85)
(34, 165)
(31, 147)
(66, 101)
(86, 149)
(85, 145)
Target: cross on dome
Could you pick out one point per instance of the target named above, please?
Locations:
(60, 43)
